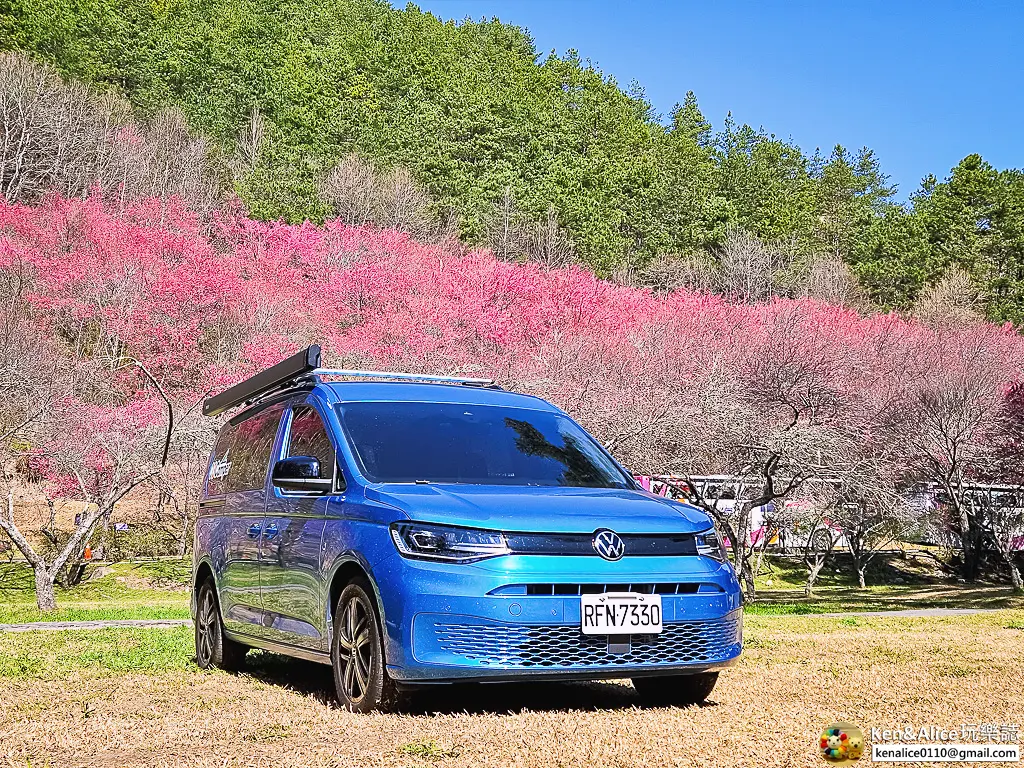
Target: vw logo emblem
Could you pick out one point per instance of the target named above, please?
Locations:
(608, 544)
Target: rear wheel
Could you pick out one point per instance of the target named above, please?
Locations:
(357, 653)
(212, 648)
(676, 690)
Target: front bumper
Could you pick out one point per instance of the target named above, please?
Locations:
(484, 621)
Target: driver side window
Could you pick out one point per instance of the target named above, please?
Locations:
(308, 437)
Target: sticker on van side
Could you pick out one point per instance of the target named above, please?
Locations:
(220, 468)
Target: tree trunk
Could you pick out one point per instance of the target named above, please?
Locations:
(747, 575)
(45, 598)
(815, 558)
(972, 536)
(860, 564)
(769, 532)
(744, 552)
(853, 541)
(971, 556)
(812, 576)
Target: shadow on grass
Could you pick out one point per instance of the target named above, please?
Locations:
(311, 679)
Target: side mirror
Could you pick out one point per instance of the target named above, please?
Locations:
(300, 473)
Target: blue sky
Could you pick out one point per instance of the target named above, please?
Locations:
(921, 83)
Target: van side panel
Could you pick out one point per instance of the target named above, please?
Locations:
(236, 485)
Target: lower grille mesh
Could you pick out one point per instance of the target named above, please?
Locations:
(560, 646)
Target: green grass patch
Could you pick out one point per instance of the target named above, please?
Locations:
(882, 598)
(267, 733)
(428, 749)
(786, 609)
(47, 655)
(156, 589)
(21, 614)
(955, 670)
(102, 582)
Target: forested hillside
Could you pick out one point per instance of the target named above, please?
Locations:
(526, 152)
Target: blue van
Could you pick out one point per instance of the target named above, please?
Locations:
(410, 530)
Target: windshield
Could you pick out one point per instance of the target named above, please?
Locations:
(476, 444)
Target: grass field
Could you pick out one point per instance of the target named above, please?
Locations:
(134, 697)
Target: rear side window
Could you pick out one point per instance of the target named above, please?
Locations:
(220, 463)
(242, 453)
(308, 437)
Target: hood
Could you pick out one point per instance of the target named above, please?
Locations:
(541, 510)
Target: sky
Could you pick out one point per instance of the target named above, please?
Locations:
(922, 83)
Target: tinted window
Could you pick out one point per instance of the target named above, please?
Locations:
(487, 445)
(308, 437)
(242, 454)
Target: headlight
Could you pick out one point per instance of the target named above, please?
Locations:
(430, 541)
(709, 544)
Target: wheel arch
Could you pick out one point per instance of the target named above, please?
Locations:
(204, 570)
(347, 569)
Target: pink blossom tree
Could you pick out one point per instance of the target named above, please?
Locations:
(945, 424)
(90, 453)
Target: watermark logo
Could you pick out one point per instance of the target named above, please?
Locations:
(841, 743)
(967, 743)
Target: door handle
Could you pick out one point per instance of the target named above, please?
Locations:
(270, 531)
(254, 530)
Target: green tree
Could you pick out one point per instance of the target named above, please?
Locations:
(975, 220)
(850, 193)
(766, 181)
(687, 208)
(892, 260)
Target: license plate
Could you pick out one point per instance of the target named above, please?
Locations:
(620, 613)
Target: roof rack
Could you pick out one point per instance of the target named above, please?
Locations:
(403, 376)
(288, 371)
(304, 367)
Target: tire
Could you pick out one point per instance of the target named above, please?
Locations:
(361, 679)
(676, 690)
(213, 649)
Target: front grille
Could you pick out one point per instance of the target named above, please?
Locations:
(509, 645)
(636, 544)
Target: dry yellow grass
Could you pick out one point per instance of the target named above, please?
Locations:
(797, 675)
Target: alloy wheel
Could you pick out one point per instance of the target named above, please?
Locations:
(208, 629)
(355, 648)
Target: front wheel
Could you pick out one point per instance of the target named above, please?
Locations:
(357, 654)
(676, 690)
(212, 648)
